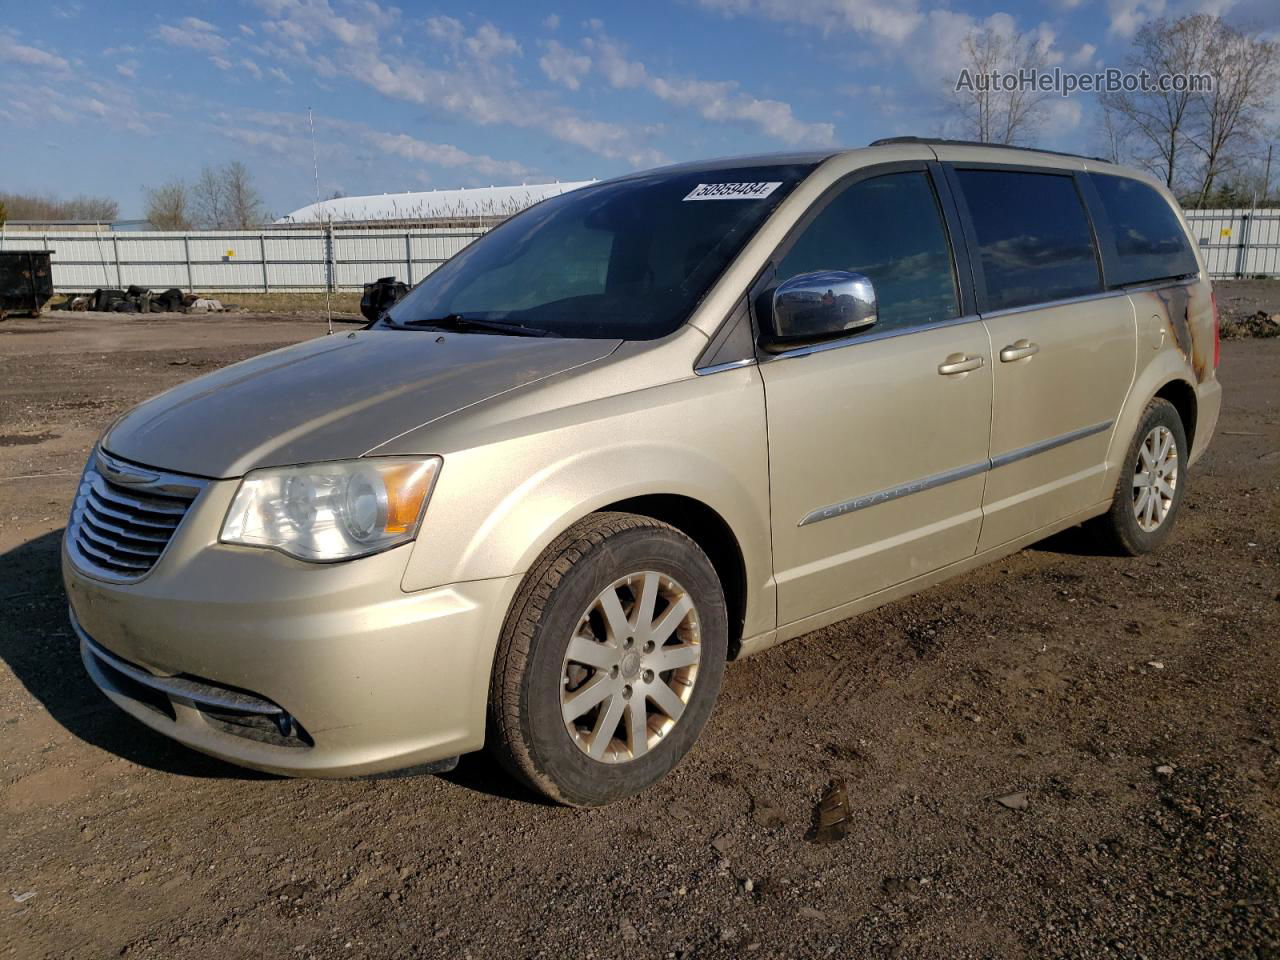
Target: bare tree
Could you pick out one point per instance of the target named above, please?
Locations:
(85, 207)
(28, 206)
(1158, 117)
(169, 206)
(1111, 132)
(995, 107)
(1246, 71)
(209, 200)
(224, 198)
(244, 203)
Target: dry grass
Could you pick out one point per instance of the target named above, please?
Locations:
(345, 302)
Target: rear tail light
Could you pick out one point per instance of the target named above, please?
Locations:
(1217, 331)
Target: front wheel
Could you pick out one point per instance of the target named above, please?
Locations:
(1151, 484)
(610, 660)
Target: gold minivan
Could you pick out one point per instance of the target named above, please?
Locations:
(634, 432)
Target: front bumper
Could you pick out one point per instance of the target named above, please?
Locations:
(355, 675)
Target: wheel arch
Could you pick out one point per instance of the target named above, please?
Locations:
(1182, 395)
(712, 533)
(1167, 377)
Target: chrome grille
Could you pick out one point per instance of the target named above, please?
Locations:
(124, 516)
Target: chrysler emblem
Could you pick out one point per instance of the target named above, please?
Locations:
(118, 472)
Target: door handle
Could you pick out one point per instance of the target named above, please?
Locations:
(959, 363)
(1019, 350)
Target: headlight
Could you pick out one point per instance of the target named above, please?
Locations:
(332, 511)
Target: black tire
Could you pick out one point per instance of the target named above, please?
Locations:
(1118, 529)
(526, 731)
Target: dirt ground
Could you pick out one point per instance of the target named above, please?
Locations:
(1133, 704)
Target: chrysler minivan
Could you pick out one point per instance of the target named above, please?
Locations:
(634, 432)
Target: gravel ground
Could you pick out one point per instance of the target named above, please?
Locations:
(1062, 754)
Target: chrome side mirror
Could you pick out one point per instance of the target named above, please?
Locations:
(820, 306)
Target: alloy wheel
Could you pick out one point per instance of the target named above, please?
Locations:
(630, 667)
(1155, 478)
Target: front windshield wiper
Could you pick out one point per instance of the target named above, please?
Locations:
(460, 324)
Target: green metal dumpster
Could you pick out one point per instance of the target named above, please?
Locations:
(26, 281)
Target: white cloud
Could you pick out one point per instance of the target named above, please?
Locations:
(37, 103)
(193, 33)
(92, 106)
(12, 51)
(1044, 37)
(127, 69)
(1083, 56)
(563, 66)
(442, 154)
(478, 89)
(280, 75)
(718, 101)
(286, 134)
(221, 63)
(488, 42)
(552, 22)
(254, 70)
(880, 18)
(1063, 114)
(1128, 15)
(247, 30)
(270, 140)
(448, 29)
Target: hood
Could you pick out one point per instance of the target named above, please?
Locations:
(333, 398)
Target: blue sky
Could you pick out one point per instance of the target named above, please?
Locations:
(110, 97)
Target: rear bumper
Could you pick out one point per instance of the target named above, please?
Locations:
(1208, 407)
(292, 668)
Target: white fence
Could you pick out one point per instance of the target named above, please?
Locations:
(1235, 243)
(246, 261)
(1238, 243)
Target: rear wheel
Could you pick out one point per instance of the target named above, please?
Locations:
(1151, 484)
(610, 661)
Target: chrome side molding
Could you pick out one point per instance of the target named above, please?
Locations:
(949, 476)
(894, 493)
(1013, 456)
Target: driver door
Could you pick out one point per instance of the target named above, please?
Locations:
(878, 442)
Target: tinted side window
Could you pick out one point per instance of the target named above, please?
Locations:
(890, 229)
(1150, 242)
(1034, 241)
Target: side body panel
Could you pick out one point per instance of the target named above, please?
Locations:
(1062, 367)
(1175, 343)
(876, 464)
(1070, 394)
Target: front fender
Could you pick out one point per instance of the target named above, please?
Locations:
(499, 503)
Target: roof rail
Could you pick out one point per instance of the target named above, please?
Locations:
(978, 143)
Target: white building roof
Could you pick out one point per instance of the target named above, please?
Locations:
(468, 203)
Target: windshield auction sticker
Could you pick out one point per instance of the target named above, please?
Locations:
(732, 191)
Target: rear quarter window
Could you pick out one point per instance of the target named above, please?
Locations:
(1033, 236)
(1150, 243)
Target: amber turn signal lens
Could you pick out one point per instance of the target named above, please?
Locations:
(408, 485)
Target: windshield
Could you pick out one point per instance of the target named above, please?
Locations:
(628, 259)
